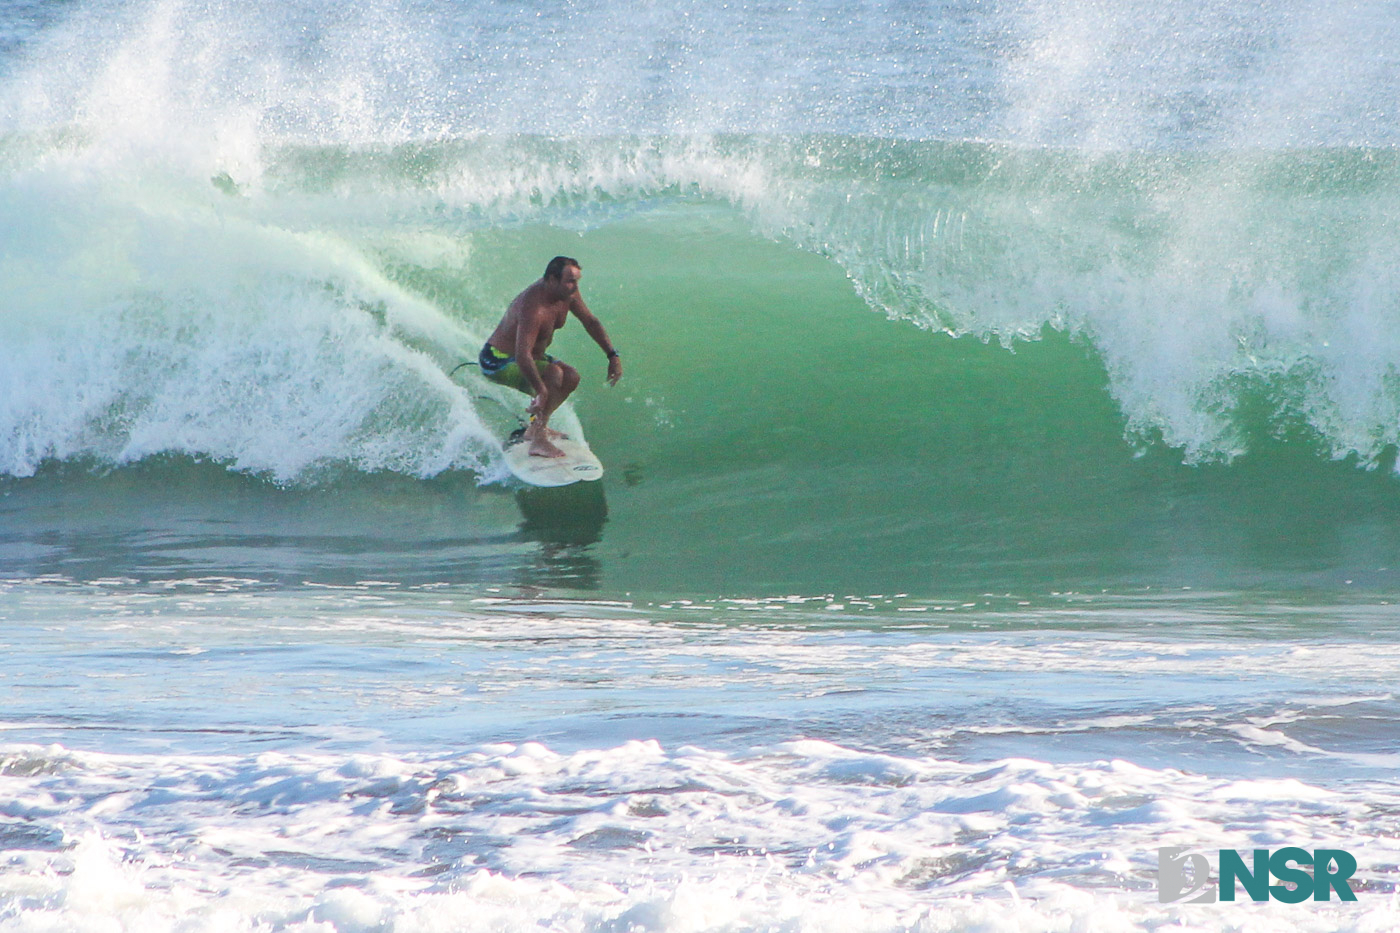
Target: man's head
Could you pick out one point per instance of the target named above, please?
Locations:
(563, 273)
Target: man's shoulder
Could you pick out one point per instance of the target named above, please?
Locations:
(527, 302)
(533, 297)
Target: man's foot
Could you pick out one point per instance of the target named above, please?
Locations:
(549, 432)
(541, 447)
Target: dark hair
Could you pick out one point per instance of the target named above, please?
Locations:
(555, 269)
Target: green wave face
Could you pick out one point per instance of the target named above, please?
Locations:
(852, 365)
(772, 436)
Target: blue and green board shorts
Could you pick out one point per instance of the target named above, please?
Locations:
(499, 367)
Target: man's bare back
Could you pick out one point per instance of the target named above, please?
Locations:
(525, 333)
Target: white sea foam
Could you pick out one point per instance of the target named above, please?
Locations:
(303, 762)
(172, 328)
(806, 835)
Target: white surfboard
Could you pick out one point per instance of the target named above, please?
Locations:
(578, 463)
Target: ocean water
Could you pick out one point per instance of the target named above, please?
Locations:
(1002, 484)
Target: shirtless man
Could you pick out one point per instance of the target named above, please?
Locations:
(526, 332)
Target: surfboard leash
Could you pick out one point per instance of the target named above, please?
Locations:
(487, 398)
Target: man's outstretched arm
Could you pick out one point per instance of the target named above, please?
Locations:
(600, 336)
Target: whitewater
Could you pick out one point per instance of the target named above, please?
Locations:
(1002, 484)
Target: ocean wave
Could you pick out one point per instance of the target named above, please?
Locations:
(1230, 269)
(306, 314)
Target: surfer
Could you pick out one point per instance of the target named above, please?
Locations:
(526, 332)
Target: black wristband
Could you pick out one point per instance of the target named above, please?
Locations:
(612, 354)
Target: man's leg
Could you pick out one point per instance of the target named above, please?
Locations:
(567, 382)
(561, 380)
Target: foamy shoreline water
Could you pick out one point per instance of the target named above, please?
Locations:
(372, 758)
(805, 835)
(1222, 684)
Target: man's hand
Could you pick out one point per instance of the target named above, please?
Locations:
(537, 404)
(614, 369)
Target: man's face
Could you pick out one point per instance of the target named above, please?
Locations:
(568, 280)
